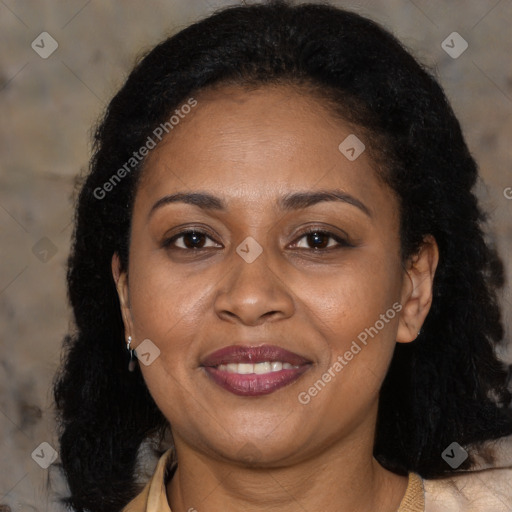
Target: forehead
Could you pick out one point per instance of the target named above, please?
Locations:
(257, 143)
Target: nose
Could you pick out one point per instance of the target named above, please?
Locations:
(253, 293)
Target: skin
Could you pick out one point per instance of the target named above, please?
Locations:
(249, 148)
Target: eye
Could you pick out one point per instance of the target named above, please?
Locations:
(190, 239)
(317, 239)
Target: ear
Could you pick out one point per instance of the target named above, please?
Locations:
(121, 280)
(416, 297)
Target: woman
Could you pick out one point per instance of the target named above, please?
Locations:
(279, 220)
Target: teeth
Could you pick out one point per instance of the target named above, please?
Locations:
(276, 366)
(260, 368)
(257, 368)
(245, 368)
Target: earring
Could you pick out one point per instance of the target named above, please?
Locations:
(419, 333)
(131, 364)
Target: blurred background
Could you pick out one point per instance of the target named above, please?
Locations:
(61, 62)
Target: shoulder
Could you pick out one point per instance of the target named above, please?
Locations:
(475, 491)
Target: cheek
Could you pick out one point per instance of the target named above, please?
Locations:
(169, 311)
(164, 299)
(354, 296)
(356, 311)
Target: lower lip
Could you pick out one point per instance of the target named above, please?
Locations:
(253, 384)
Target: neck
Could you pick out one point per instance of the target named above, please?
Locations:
(344, 477)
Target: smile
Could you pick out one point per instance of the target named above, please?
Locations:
(254, 371)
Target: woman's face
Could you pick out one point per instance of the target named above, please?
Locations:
(328, 306)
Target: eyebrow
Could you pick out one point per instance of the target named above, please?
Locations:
(292, 201)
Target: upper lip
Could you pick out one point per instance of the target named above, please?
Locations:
(252, 354)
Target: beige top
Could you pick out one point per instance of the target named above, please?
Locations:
(488, 490)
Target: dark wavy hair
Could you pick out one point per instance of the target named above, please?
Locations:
(448, 385)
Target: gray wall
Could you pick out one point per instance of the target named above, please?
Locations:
(48, 107)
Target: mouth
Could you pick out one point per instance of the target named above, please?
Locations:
(254, 371)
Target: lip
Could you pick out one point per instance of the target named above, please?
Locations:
(254, 384)
(252, 354)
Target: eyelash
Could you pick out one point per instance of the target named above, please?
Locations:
(342, 243)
